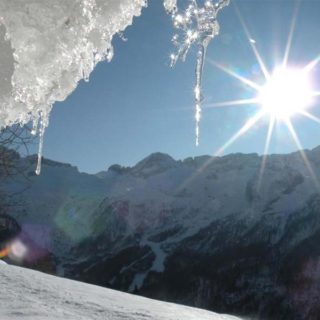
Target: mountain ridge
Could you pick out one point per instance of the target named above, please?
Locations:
(206, 231)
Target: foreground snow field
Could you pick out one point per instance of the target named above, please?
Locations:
(27, 294)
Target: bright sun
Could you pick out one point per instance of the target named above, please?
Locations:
(286, 93)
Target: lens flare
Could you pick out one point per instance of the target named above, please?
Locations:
(4, 253)
(18, 250)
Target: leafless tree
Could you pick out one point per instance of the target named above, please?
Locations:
(13, 141)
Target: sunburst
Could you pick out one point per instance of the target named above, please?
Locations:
(287, 92)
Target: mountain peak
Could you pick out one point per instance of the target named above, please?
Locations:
(153, 164)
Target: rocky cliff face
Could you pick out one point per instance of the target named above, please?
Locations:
(208, 232)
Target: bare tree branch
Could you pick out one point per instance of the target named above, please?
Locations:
(13, 141)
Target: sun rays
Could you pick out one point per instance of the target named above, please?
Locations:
(245, 128)
(286, 93)
(266, 149)
(291, 33)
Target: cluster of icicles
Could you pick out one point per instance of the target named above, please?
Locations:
(47, 47)
(50, 45)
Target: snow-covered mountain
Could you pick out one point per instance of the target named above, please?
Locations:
(207, 232)
(27, 294)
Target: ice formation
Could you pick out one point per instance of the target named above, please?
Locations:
(196, 25)
(170, 5)
(47, 47)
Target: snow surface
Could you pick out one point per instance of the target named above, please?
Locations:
(157, 265)
(27, 294)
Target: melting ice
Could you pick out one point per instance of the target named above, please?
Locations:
(195, 26)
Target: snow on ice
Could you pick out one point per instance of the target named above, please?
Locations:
(48, 46)
(196, 25)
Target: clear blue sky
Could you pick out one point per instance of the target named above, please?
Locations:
(137, 105)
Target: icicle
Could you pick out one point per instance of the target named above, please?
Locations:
(197, 90)
(196, 26)
(34, 129)
(40, 151)
(43, 124)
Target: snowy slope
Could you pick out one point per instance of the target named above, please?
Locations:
(26, 294)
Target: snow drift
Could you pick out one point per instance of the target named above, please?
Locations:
(27, 294)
